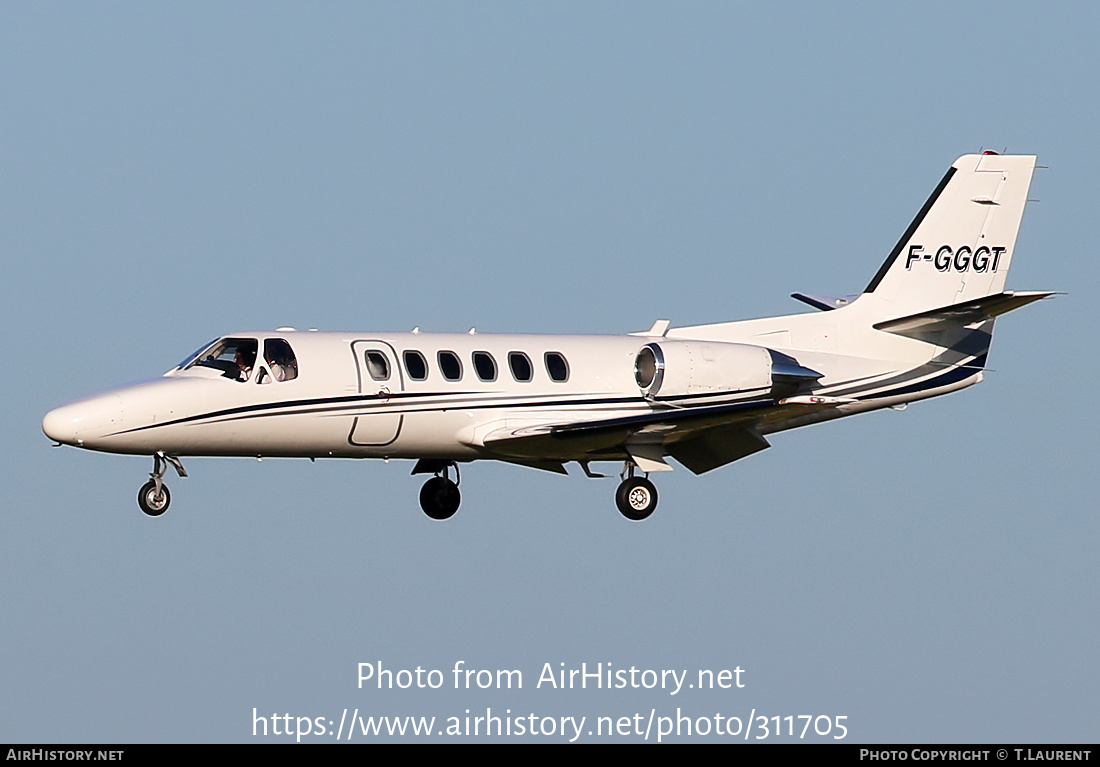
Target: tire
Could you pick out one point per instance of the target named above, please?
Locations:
(636, 498)
(150, 502)
(440, 498)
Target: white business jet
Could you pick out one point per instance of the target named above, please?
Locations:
(704, 396)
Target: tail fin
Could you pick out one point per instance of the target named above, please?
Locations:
(959, 247)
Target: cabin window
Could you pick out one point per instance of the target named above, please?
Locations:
(520, 364)
(450, 365)
(416, 366)
(280, 359)
(485, 366)
(377, 365)
(556, 366)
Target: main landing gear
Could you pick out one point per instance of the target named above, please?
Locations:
(153, 497)
(439, 497)
(636, 497)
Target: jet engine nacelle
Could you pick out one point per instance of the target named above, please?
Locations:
(683, 368)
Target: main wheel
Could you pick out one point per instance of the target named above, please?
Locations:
(636, 498)
(152, 503)
(440, 498)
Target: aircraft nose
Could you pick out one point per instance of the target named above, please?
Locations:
(86, 422)
(60, 425)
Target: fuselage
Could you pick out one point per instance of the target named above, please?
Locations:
(359, 395)
(432, 395)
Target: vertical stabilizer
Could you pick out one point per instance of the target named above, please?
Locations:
(960, 245)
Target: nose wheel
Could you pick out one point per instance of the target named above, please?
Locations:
(153, 497)
(439, 497)
(153, 500)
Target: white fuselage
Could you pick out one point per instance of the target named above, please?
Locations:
(335, 408)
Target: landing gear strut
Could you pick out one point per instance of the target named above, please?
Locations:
(440, 497)
(153, 497)
(636, 496)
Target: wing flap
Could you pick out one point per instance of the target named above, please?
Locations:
(554, 466)
(717, 446)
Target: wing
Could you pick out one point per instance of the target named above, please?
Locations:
(701, 438)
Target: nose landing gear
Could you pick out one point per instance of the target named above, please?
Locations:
(153, 500)
(153, 497)
(439, 497)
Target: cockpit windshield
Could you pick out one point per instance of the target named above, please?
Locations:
(190, 358)
(239, 359)
(234, 357)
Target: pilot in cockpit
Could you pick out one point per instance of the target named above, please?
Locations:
(245, 359)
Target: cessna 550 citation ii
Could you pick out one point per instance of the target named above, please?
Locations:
(705, 395)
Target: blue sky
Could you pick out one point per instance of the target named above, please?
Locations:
(172, 172)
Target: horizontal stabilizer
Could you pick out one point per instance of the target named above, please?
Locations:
(965, 313)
